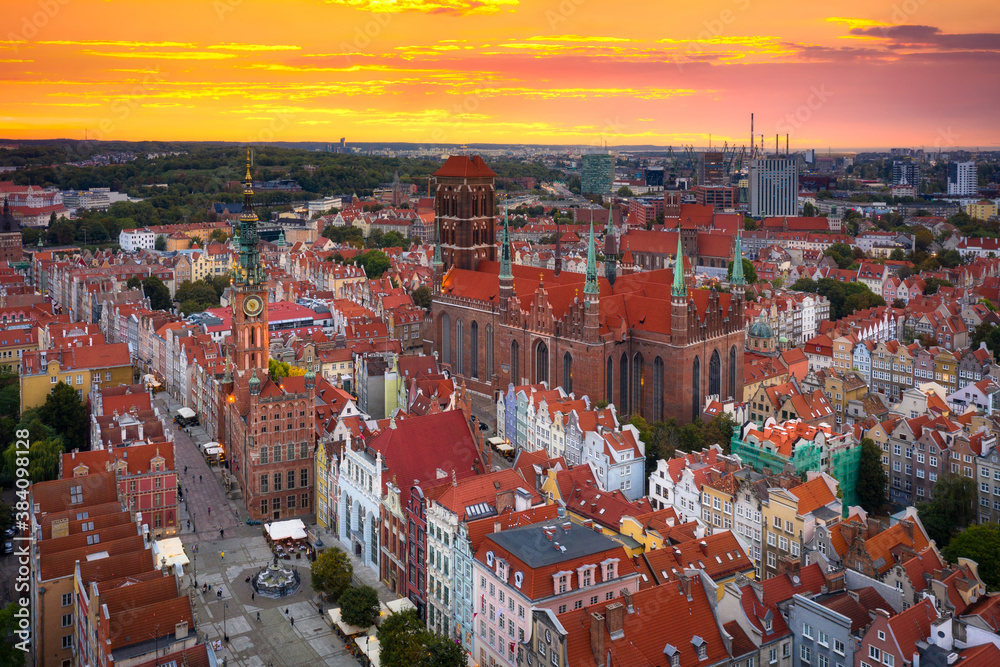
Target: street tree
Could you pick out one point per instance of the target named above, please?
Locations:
(871, 477)
(981, 543)
(359, 606)
(331, 572)
(66, 414)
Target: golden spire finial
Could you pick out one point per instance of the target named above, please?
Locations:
(248, 178)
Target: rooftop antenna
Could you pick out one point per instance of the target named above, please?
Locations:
(786, 144)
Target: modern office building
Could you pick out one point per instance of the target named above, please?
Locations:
(598, 173)
(905, 172)
(774, 187)
(654, 177)
(712, 168)
(962, 179)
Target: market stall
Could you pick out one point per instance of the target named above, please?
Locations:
(288, 538)
(370, 650)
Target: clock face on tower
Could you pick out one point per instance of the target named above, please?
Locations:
(253, 305)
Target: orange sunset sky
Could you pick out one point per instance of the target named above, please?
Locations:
(871, 73)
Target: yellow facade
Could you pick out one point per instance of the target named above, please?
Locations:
(843, 353)
(322, 487)
(10, 355)
(35, 388)
(211, 266)
(782, 528)
(946, 370)
(717, 508)
(981, 210)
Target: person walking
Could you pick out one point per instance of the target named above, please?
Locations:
(218, 593)
(293, 621)
(252, 596)
(199, 478)
(209, 510)
(222, 555)
(222, 533)
(258, 617)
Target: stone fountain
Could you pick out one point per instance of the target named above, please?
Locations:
(276, 581)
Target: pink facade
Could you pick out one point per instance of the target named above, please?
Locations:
(503, 608)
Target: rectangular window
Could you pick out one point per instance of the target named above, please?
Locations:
(67, 620)
(263, 482)
(277, 480)
(291, 479)
(67, 599)
(67, 641)
(304, 477)
(805, 654)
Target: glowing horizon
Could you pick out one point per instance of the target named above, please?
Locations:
(579, 72)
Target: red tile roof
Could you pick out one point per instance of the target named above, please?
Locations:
(419, 447)
(662, 616)
(464, 166)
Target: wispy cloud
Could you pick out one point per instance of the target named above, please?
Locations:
(456, 7)
(255, 47)
(162, 55)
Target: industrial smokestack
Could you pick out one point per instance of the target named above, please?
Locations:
(777, 151)
(786, 144)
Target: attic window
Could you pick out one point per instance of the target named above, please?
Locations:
(489, 558)
(518, 579)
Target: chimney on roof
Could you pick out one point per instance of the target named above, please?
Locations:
(615, 618)
(627, 596)
(703, 545)
(597, 637)
(550, 532)
(685, 585)
(907, 528)
(789, 565)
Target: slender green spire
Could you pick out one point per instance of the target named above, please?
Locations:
(437, 245)
(249, 270)
(590, 286)
(679, 288)
(506, 273)
(738, 278)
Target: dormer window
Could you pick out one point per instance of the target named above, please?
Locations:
(502, 569)
(518, 579)
(700, 646)
(609, 569)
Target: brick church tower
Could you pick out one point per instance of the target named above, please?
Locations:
(269, 426)
(463, 207)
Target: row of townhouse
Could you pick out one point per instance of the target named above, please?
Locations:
(533, 418)
(794, 317)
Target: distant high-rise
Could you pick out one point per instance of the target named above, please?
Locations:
(654, 177)
(598, 173)
(962, 180)
(774, 187)
(712, 168)
(905, 172)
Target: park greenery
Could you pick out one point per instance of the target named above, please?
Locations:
(872, 478)
(844, 298)
(952, 507)
(282, 369)
(664, 438)
(979, 543)
(59, 425)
